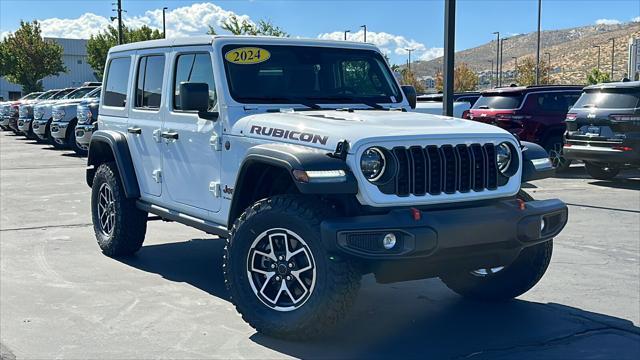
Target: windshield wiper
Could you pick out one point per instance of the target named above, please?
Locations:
(370, 104)
(283, 99)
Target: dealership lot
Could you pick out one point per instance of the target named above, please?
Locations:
(60, 297)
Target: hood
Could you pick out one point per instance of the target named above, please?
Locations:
(324, 129)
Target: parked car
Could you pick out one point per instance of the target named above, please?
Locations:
(9, 111)
(468, 96)
(42, 116)
(303, 156)
(533, 113)
(435, 108)
(87, 115)
(64, 119)
(603, 129)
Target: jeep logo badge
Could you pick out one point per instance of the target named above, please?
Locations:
(591, 116)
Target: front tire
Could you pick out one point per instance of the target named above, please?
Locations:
(504, 282)
(281, 278)
(601, 172)
(119, 225)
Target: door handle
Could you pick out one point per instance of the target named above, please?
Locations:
(134, 130)
(169, 135)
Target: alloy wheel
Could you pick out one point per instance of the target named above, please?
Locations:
(106, 209)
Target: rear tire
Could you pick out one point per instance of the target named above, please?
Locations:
(554, 146)
(504, 283)
(258, 267)
(119, 225)
(601, 172)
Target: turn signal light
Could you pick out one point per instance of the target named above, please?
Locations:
(623, 148)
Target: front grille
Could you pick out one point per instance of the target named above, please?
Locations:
(444, 169)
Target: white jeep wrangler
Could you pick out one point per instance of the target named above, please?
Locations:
(303, 156)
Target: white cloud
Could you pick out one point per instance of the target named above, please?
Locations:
(4, 34)
(636, 19)
(388, 43)
(184, 21)
(608, 22)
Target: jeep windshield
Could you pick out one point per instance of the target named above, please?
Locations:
(609, 99)
(499, 101)
(308, 75)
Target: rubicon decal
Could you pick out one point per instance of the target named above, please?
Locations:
(289, 134)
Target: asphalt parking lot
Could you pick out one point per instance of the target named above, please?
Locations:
(61, 298)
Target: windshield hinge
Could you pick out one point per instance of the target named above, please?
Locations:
(342, 149)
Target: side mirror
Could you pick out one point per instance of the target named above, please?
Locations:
(411, 94)
(195, 97)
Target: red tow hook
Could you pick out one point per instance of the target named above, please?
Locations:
(417, 215)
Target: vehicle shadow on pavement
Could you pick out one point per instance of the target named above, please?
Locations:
(579, 172)
(418, 318)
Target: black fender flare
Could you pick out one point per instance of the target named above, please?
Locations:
(290, 158)
(535, 170)
(108, 145)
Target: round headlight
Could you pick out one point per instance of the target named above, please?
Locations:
(373, 163)
(503, 156)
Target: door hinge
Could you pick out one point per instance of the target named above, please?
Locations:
(215, 141)
(214, 188)
(157, 175)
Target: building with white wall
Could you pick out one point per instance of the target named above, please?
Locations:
(633, 72)
(74, 58)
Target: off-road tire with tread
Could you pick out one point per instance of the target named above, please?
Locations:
(512, 281)
(599, 172)
(130, 222)
(337, 283)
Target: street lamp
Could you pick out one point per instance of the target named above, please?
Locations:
(501, 47)
(497, 57)
(164, 28)
(598, 46)
(365, 32)
(345, 34)
(409, 50)
(613, 52)
(538, 44)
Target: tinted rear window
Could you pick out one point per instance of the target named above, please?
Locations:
(610, 99)
(117, 82)
(501, 101)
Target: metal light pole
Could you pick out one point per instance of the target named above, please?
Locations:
(598, 46)
(548, 67)
(409, 61)
(164, 27)
(497, 57)
(501, 48)
(538, 44)
(613, 52)
(345, 34)
(365, 32)
(119, 11)
(515, 67)
(491, 61)
(449, 56)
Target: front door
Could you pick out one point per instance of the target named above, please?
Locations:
(191, 159)
(145, 121)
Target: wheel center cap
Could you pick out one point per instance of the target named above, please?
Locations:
(282, 269)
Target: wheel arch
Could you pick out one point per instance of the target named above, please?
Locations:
(107, 146)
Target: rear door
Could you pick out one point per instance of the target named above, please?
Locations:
(191, 145)
(145, 120)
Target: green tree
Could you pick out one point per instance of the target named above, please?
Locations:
(464, 79)
(98, 45)
(409, 78)
(245, 27)
(527, 72)
(26, 58)
(596, 76)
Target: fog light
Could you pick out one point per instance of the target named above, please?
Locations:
(389, 241)
(543, 224)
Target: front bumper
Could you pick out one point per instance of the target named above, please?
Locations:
(4, 120)
(83, 134)
(23, 125)
(59, 130)
(40, 128)
(479, 232)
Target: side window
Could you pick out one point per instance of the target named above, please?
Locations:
(553, 103)
(115, 89)
(149, 82)
(195, 68)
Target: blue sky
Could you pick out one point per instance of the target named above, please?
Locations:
(392, 25)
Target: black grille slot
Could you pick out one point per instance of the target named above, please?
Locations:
(446, 169)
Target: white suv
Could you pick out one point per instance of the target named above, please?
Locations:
(304, 157)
